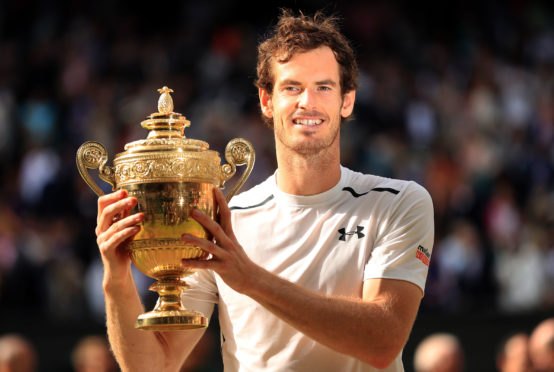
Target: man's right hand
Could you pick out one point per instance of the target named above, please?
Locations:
(114, 231)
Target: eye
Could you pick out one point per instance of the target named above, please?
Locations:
(324, 88)
(291, 89)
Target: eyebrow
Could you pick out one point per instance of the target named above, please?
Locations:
(327, 82)
(322, 82)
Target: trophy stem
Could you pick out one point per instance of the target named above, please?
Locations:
(169, 290)
(169, 313)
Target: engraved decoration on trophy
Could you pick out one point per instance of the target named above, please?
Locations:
(169, 175)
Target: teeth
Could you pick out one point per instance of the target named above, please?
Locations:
(308, 122)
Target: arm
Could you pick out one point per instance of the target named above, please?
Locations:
(373, 328)
(135, 350)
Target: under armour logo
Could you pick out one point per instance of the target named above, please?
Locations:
(358, 232)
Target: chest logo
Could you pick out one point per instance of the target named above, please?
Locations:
(357, 232)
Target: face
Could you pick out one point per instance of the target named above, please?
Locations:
(306, 104)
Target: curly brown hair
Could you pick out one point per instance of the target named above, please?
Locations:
(293, 34)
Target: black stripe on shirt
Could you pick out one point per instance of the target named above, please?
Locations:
(378, 189)
(253, 206)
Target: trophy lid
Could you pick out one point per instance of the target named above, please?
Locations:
(167, 129)
(165, 156)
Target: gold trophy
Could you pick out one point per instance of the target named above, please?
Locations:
(169, 175)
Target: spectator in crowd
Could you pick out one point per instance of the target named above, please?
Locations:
(541, 346)
(439, 352)
(513, 355)
(92, 354)
(17, 354)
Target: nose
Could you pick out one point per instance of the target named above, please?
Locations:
(306, 100)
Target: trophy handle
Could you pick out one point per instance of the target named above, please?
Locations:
(238, 152)
(93, 155)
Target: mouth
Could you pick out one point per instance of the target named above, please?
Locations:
(307, 122)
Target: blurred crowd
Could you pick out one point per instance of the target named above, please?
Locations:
(469, 114)
(457, 98)
(90, 354)
(518, 352)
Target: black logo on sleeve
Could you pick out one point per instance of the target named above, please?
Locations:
(357, 232)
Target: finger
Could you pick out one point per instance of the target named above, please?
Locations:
(120, 208)
(206, 245)
(115, 240)
(108, 199)
(213, 227)
(224, 213)
(120, 225)
(126, 222)
(200, 264)
(113, 212)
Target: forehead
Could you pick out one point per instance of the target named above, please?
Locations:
(313, 65)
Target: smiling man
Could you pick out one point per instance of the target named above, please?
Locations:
(307, 104)
(318, 268)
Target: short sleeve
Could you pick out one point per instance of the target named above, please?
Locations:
(404, 241)
(202, 294)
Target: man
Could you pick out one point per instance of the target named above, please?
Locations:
(439, 352)
(318, 268)
(541, 346)
(92, 354)
(513, 355)
(17, 354)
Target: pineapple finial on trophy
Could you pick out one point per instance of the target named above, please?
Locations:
(165, 102)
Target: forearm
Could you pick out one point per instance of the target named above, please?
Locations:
(135, 350)
(368, 330)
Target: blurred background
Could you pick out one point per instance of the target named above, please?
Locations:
(458, 96)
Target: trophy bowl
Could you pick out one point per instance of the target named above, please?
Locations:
(169, 175)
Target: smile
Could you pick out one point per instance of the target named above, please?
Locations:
(307, 122)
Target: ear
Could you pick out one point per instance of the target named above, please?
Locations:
(348, 103)
(265, 102)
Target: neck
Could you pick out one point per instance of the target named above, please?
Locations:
(312, 174)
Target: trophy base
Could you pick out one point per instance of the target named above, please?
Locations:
(171, 320)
